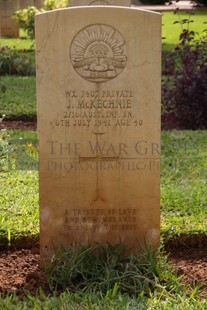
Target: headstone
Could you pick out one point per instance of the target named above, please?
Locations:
(38, 3)
(100, 2)
(26, 3)
(8, 26)
(98, 93)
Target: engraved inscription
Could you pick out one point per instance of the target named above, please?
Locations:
(99, 108)
(100, 219)
(98, 53)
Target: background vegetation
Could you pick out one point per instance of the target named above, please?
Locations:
(18, 97)
(172, 26)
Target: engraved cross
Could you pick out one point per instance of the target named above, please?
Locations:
(98, 158)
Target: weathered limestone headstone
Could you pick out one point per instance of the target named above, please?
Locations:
(26, 3)
(38, 3)
(98, 92)
(100, 2)
(8, 26)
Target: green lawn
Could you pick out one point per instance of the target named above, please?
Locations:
(94, 301)
(19, 97)
(171, 31)
(183, 182)
(18, 43)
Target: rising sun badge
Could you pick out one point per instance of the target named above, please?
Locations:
(98, 53)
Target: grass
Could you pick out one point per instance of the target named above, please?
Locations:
(171, 30)
(183, 182)
(21, 43)
(19, 97)
(111, 270)
(94, 301)
(18, 193)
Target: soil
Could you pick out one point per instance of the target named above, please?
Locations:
(20, 271)
(18, 124)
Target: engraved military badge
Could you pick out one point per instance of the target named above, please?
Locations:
(98, 53)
